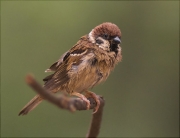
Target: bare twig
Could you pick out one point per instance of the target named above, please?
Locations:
(71, 104)
(96, 121)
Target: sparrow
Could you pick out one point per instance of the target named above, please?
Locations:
(87, 64)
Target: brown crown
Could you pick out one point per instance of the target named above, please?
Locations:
(107, 28)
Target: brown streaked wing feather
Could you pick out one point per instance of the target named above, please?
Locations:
(60, 77)
(55, 65)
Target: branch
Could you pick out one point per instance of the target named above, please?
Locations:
(71, 104)
(96, 121)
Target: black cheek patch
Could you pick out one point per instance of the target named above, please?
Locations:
(98, 41)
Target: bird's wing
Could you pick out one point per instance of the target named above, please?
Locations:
(55, 65)
(64, 64)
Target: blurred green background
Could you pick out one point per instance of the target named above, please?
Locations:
(142, 93)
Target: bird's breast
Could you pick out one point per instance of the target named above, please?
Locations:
(89, 71)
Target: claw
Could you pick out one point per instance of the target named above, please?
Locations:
(94, 96)
(87, 102)
(83, 98)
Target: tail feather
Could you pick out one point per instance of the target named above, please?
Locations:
(31, 105)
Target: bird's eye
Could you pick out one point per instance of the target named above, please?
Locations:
(106, 36)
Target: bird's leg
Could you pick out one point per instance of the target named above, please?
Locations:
(83, 98)
(94, 96)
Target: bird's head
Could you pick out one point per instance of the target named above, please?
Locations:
(107, 36)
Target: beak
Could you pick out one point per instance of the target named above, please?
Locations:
(116, 40)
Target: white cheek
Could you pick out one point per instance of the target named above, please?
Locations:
(91, 38)
(105, 45)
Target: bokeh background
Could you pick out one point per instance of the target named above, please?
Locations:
(142, 93)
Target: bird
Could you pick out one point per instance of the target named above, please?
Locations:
(87, 64)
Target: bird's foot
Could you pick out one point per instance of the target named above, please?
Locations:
(94, 96)
(83, 98)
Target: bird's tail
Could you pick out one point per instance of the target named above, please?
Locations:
(31, 105)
